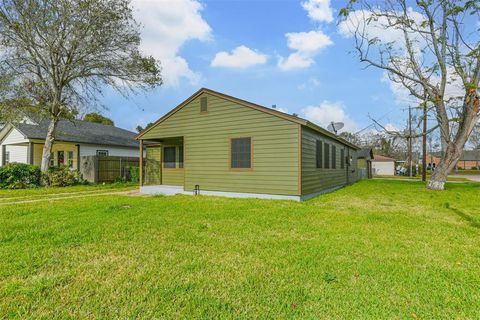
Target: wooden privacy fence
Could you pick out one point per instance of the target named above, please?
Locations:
(107, 169)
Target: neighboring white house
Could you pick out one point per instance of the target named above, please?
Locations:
(23, 141)
(383, 166)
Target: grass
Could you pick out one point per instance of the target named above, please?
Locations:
(377, 249)
(39, 192)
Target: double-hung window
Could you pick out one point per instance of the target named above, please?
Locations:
(169, 157)
(241, 153)
(334, 157)
(326, 150)
(319, 154)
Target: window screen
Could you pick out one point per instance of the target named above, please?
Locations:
(169, 157)
(203, 104)
(326, 162)
(241, 153)
(342, 158)
(334, 157)
(70, 159)
(180, 157)
(319, 154)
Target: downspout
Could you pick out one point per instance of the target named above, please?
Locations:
(78, 157)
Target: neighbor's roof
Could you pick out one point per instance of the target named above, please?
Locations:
(252, 105)
(365, 153)
(79, 131)
(382, 158)
(467, 155)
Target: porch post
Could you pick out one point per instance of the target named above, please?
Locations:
(30, 152)
(141, 163)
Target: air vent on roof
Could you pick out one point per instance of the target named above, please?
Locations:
(203, 104)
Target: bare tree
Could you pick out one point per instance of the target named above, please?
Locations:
(427, 47)
(64, 52)
(474, 139)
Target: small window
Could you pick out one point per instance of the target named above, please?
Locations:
(203, 104)
(169, 157)
(326, 162)
(342, 159)
(319, 153)
(102, 153)
(52, 159)
(7, 157)
(70, 159)
(60, 158)
(180, 157)
(241, 153)
(334, 157)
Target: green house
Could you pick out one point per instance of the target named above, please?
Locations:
(215, 144)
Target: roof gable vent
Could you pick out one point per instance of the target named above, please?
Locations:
(203, 104)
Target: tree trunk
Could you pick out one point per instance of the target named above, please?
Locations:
(448, 161)
(47, 147)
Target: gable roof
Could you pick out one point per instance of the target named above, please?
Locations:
(378, 157)
(286, 116)
(79, 131)
(365, 153)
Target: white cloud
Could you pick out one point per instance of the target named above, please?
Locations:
(310, 84)
(240, 57)
(319, 10)
(327, 112)
(307, 46)
(167, 25)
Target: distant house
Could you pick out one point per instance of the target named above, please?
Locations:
(364, 163)
(470, 159)
(216, 144)
(383, 166)
(23, 142)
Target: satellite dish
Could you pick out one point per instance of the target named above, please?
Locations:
(335, 126)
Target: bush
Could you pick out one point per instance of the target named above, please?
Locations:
(62, 177)
(134, 174)
(19, 176)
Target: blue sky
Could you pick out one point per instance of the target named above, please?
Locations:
(288, 53)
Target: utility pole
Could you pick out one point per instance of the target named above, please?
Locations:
(424, 141)
(410, 140)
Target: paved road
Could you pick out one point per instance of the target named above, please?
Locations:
(472, 177)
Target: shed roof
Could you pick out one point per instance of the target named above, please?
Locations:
(283, 115)
(79, 131)
(378, 157)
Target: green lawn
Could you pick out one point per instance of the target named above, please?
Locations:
(377, 249)
(28, 194)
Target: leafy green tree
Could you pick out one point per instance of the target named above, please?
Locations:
(63, 53)
(98, 118)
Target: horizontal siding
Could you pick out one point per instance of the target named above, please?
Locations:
(91, 150)
(318, 179)
(207, 147)
(18, 154)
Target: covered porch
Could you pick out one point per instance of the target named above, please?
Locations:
(162, 168)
